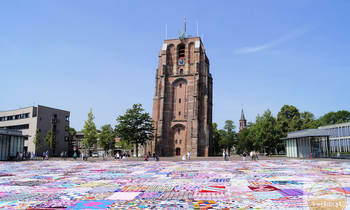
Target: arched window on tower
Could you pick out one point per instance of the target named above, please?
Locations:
(181, 71)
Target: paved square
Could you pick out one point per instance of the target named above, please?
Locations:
(266, 184)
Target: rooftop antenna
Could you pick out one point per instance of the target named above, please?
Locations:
(197, 27)
(185, 25)
(166, 31)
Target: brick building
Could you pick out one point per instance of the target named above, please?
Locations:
(182, 104)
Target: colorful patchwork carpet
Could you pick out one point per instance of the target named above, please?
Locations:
(265, 184)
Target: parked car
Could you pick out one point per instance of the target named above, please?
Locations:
(95, 154)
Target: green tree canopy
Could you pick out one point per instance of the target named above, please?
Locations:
(72, 132)
(266, 133)
(124, 144)
(245, 141)
(37, 139)
(289, 119)
(335, 117)
(106, 138)
(215, 138)
(308, 121)
(228, 137)
(50, 139)
(135, 126)
(90, 132)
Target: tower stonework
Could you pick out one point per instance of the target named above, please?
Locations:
(182, 104)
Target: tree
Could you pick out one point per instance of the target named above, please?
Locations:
(245, 140)
(90, 132)
(216, 138)
(289, 119)
(335, 117)
(106, 138)
(267, 133)
(308, 121)
(135, 126)
(228, 137)
(124, 144)
(37, 139)
(72, 132)
(50, 139)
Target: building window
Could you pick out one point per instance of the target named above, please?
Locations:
(179, 113)
(180, 141)
(66, 138)
(176, 141)
(66, 128)
(67, 118)
(179, 100)
(181, 71)
(180, 85)
(18, 127)
(178, 130)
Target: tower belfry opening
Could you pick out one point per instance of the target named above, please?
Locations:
(181, 51)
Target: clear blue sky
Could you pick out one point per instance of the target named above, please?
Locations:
(77, 55)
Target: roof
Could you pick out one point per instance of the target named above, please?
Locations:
(10, 110)
(306, 133)
(10, 132)
(187, 37)
(33, 107)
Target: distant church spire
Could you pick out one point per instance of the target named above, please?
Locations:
(242, 121)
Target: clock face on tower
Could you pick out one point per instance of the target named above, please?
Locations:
(181, 62)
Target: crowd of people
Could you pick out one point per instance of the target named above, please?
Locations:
(123, 156)
(253, 155)
(155, 156)
(186, 156)
(24, 156)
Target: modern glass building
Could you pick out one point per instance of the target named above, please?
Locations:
(11, 144)
(339, 137)
(326, 141)
(310, 143)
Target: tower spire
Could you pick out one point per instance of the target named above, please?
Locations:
(242, 115)
(242, 122)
